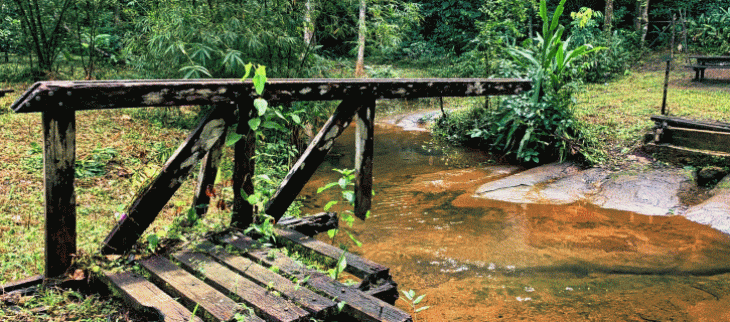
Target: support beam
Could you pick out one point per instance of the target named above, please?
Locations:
(244, 165)
(206, 177)
(364, 158)
(152, 199)
(59, 156)
(312, 157)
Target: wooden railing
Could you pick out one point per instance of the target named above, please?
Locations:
(233, 103)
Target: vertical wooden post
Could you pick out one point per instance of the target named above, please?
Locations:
(244, 166)
(206, 177)
(59, 156)
(364, 158)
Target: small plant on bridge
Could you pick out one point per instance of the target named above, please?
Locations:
(346, 183)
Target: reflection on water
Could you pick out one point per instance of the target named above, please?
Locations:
(482, 260)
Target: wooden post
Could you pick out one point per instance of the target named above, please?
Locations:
(206, 177)
(244, 166)
(59, 156)
(364, 158)
(312, 157)
(154, 197)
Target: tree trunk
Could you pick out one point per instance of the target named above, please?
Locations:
(644, 20)
(360, 64)
(308, 25)
(608, 20)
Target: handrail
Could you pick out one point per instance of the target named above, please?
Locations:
(58, 101)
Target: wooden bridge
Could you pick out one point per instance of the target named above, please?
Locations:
(241, 275)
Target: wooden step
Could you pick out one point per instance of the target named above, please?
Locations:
(356, 265)
(697, 139)
(691, 124)
(358, 304)
(192, 291)
(318, 305)
(266, 305)
(144, 296)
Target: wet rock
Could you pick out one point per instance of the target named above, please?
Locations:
(714, 212)
(722, 186)
(416, 121)
(649, 193)
(521, 187)
(707, 176)
(575, 187)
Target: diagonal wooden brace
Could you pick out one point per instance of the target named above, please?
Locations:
(313, 156)
(152, 199)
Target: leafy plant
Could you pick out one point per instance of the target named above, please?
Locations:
(345, 183)
(413, 301)
(339, 267)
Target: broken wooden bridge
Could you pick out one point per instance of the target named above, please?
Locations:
(246, 268)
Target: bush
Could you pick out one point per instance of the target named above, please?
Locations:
(711, 33)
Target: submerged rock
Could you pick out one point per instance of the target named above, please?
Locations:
(714, 212)
(522, 187)
(649, 193)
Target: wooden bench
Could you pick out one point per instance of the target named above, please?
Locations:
(708, 62)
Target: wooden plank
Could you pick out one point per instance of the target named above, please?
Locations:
(387, 292)
(697, 139)
(59, 156)
(363, 268)
(358, 305)
(244, 165)
(266, 305)
(364, 158)
(153, 198)
(92, 95)
(691, 124)
(144, 296)
(312, 157)
(312, 302)
(311, 225)
(192, 291)
(206, 177)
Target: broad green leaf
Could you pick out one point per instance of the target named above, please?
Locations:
(342, 263)
(329, 185)
(331, 233)
(259, 79)
(232, 138)
(254, 123)
(261, 106)
(296, 119)
(419, 299)
(253, 199)
(357, 242)
(247, 68)
(422, 308)
(329, 205)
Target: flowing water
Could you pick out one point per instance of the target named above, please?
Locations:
(482, 260)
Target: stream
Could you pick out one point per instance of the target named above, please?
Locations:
(483, 260)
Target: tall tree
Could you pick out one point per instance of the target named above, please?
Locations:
(42, 22)
(644, 24)
(361, 31)
(608, 19)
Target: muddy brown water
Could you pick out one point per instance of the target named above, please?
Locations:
(482, 260)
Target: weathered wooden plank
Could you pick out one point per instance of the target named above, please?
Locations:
(697, 139)
(691, 124)
(364, 158)
(154, 197)
(144, 296)
(359, 305)
(244, 165)
(59, 156)
(312, 302)
(192, 291)
(311, 225)
(363, 268)
(312, 157)
(140, 93)
(206, 177)
(387, 292)
(266, 305)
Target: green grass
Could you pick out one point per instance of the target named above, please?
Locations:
(617, 113)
